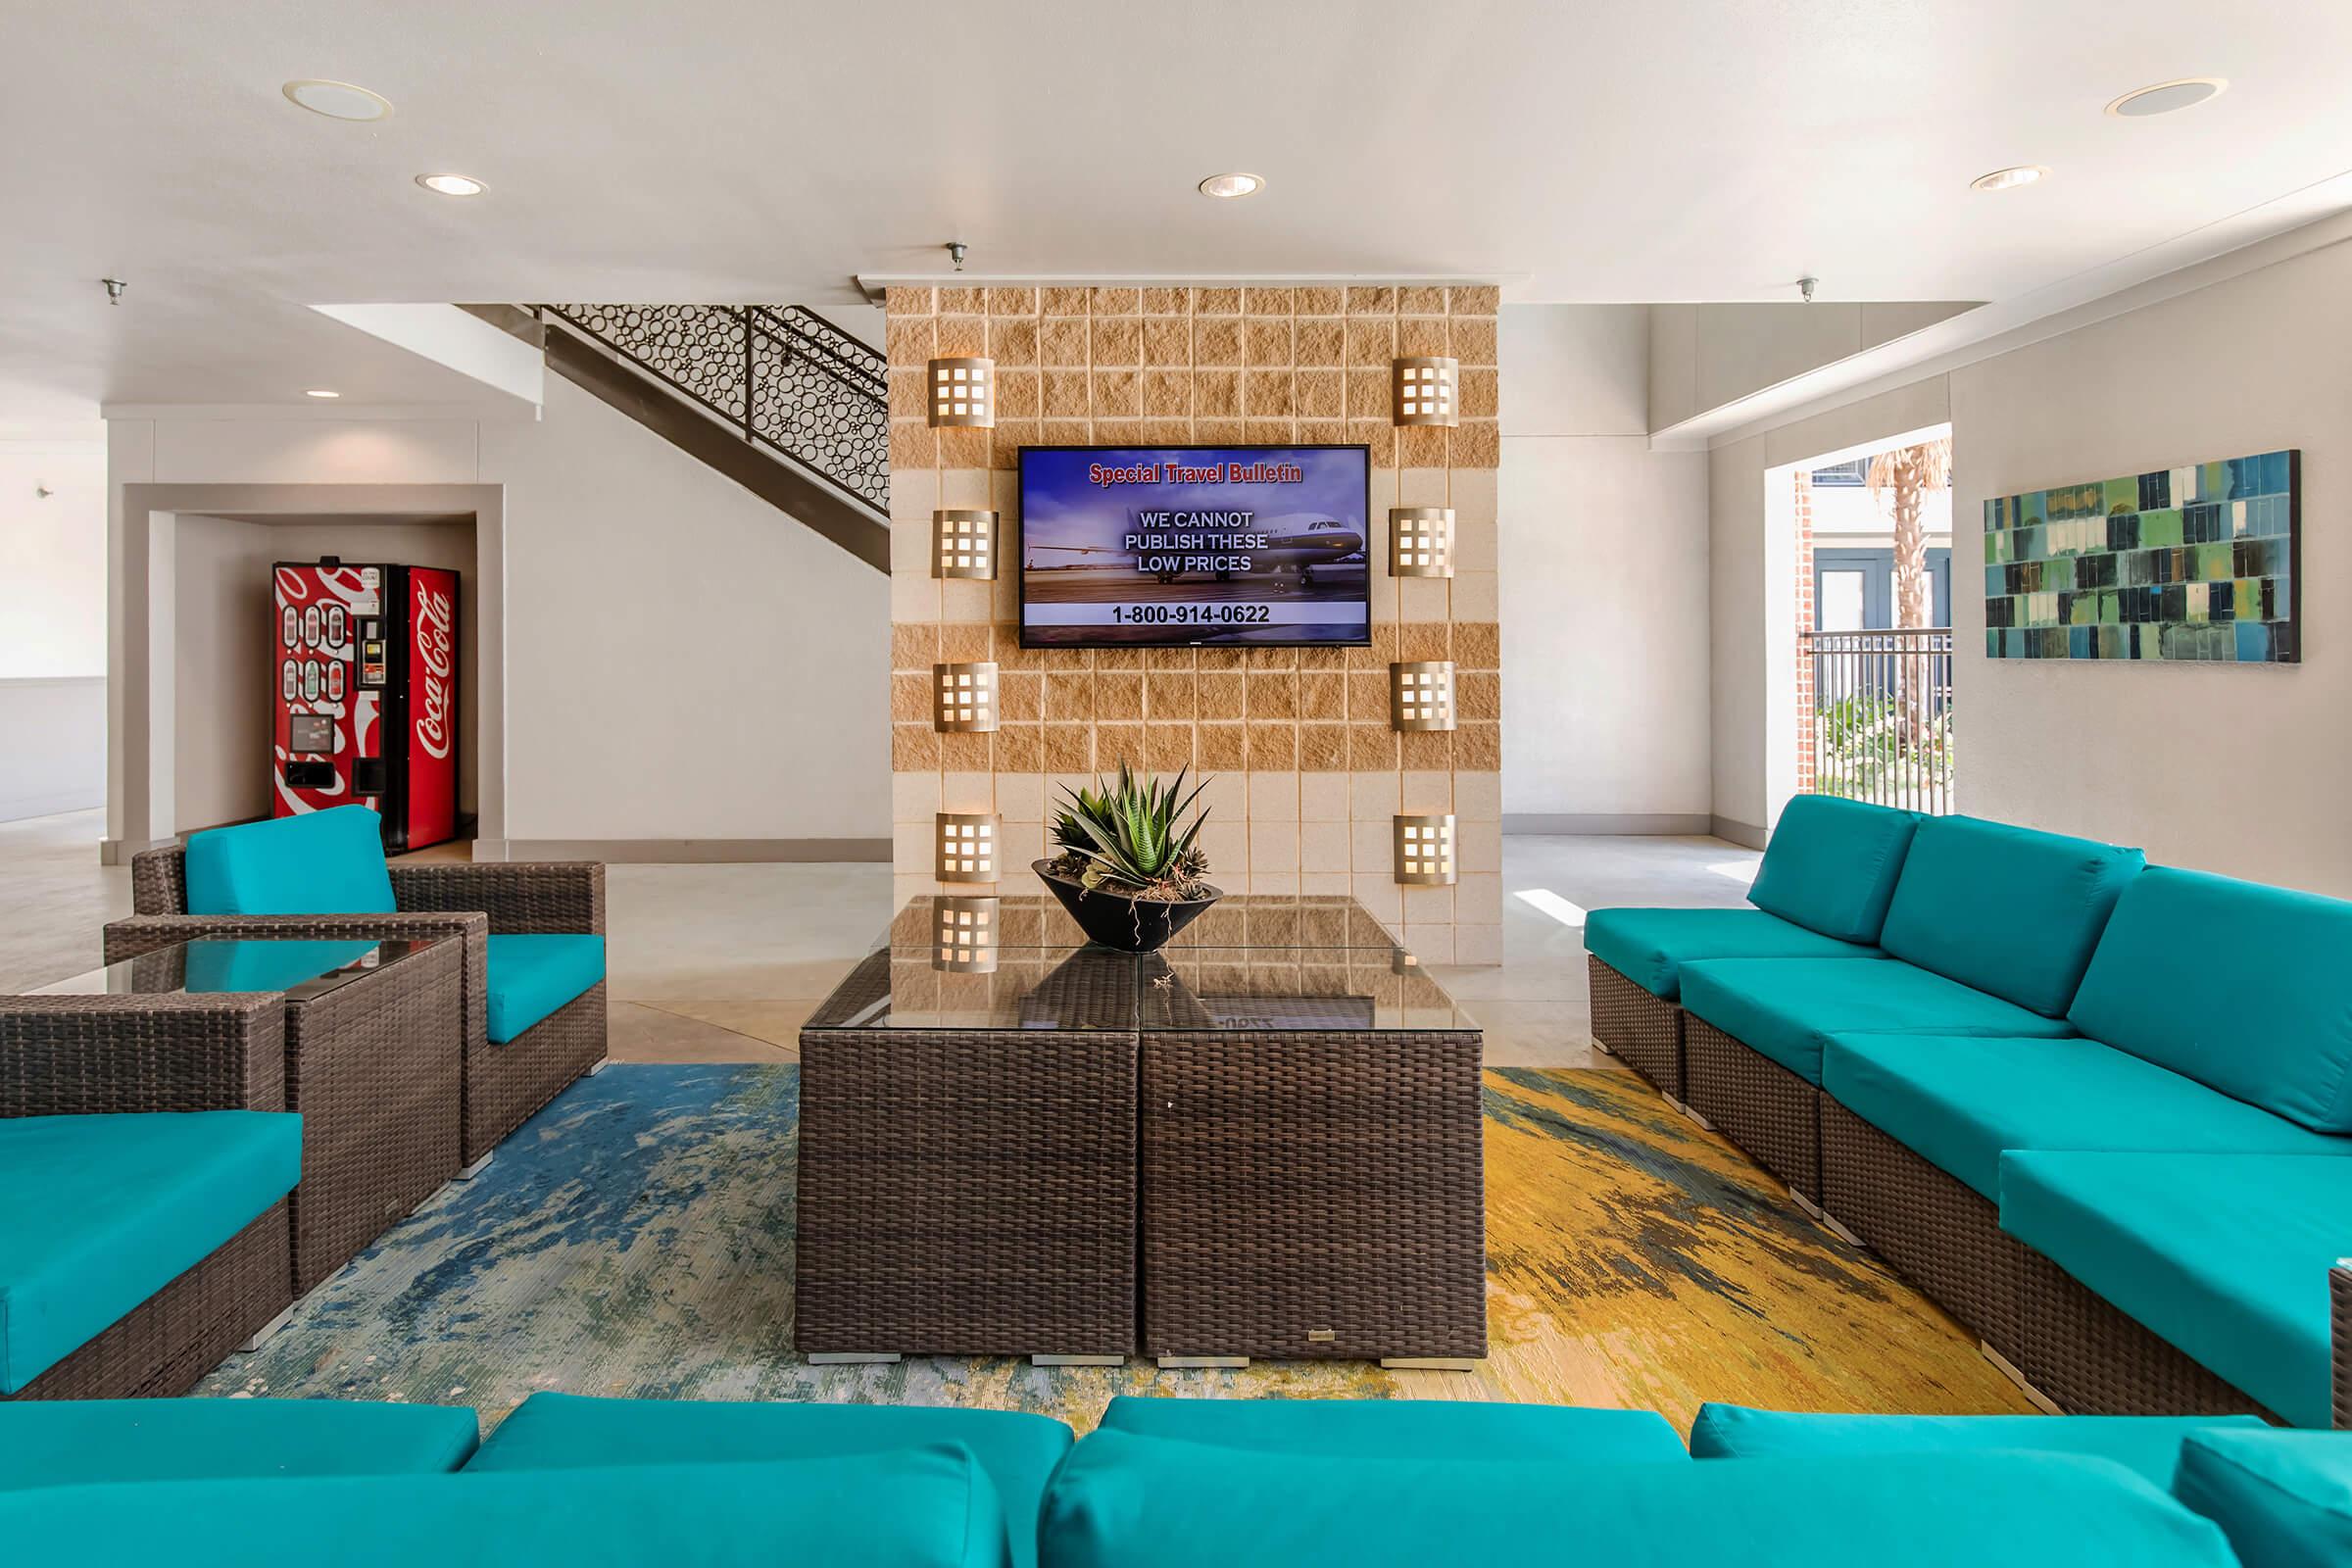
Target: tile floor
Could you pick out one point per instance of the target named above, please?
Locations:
(721, 962)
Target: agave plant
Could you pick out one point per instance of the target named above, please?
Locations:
(1131, 838)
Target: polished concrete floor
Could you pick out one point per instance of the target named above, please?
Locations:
(722, 963)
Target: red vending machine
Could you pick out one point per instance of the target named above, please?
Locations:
(366, 705)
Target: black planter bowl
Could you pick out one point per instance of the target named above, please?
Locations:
(1116, 920)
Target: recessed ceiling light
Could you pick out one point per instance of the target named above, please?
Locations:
(322, 392)
(338, 100)
(1225, 188)
(451, 184)
(2164, 97)
(2009, 178)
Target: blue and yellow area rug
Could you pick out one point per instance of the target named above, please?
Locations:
(635, 1239)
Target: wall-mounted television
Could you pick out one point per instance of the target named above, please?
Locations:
(1160, 547)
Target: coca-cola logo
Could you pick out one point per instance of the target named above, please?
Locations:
(436, 646)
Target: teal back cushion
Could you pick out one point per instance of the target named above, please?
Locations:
(2283, 1499)
(320, 863)
(2149, 1444)
(2245, 988)
(2005, 909)
(1832, 865)
(1404, 1429)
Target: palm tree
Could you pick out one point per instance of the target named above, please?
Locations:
(1900, 480)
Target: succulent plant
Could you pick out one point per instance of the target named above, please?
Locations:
(1131, 838)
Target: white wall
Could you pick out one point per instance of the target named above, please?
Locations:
(52, 621)
(1604, 585)
(1704, 355)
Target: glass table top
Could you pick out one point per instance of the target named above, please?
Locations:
(299, 967)
(1238, 920)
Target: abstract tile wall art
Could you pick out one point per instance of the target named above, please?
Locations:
(2200, 564)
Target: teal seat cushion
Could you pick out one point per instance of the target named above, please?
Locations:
(317, 862)
(1650, 947)
(567, 1431)
(1128, 1502)
(2283, 1499)
(1961, 1102)
(2226, 1256)
(59, 1442)
(531, 976)
(919, 1508)
(103, 1211)
(2238, 985)
(2005, 909)
(1832, 865)
(1787, 1009)
(1404, 1429)
(2149, 1444)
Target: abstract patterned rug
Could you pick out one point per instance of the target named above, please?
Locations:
(635, 1239)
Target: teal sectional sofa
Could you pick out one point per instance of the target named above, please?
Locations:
(2097, 1110)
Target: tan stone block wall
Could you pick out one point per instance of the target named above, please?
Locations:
(1307, 770)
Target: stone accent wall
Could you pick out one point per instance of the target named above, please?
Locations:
(1307, 772)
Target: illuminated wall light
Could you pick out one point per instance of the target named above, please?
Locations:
(963, 393)
(967, 846)
(1424, 848)
(1422, 391)
(963, 934)
(1420, 541)
(1421, 695)
(963, 699)
(964, 543)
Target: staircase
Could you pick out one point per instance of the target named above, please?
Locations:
(774, 397)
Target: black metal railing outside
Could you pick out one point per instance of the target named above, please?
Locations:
(1883, 716)
(788, 379)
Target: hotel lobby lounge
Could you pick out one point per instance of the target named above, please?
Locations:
(1403, 786)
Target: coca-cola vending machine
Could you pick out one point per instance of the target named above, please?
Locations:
(367, 703)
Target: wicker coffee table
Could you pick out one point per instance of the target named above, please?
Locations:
(1263, 1142)
(373, 1039)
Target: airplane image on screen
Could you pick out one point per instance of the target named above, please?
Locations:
(1325, 542)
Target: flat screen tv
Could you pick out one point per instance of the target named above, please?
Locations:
(1164, 546)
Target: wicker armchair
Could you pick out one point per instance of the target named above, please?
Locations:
(115, 1054)
(502, 1084)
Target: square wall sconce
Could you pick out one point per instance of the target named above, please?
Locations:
(963, 699)
(1424, 848)
(1421, 391)
(1421, 695)
(963, 393)
(968, 843)
(964, 543)
(1420, 541)
(964, 935)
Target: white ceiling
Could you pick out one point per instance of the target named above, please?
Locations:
(1673, 150)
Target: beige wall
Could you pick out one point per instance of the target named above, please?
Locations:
(1309, 771)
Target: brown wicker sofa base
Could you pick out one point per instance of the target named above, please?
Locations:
(1769, 1112)
(163, 1345)
(2339, 1293)
(2091, 1358)
(1938, 1232)
(506, 1084)
(1641, 1030)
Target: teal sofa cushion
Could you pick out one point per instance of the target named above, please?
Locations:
(317, 862)
(527, 977)
(2149, 1444)
(59, 1442)
(1404, 1429)
(920, 1508)
(2226, 1256)
(567, 1431)
(103, 1211)
(2283, 1499)
(1961, 1102)
(2236, 985)
(1146, 1503)
(1832, 865)
(1787, 1009)
(2005, 909)
(1650, 947)
(262, 964)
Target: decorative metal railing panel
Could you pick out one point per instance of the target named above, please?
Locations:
(788, 379)
(1883, 716)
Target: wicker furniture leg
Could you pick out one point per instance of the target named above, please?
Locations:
(1641, 1029)
(1756, 1103)
(1314, 1194)
(506, 1084)
(1935, 1229)
(2339, 1294)
(2093, 1359)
